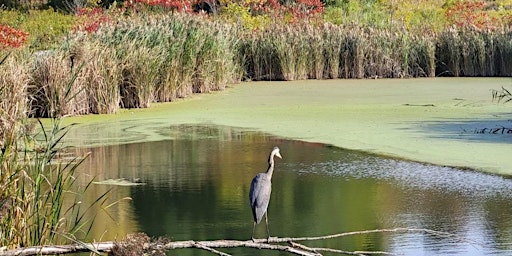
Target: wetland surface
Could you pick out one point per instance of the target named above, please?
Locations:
(433, 120)
(195, 185)
(196, 168)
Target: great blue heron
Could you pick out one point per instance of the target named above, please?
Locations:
(259, 195)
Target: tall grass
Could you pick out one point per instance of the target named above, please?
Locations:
(474, 53)
(146, 58)
(36, 175)
(164, 57)
(14, 77)
(305, 51)
(37, 179)
(98, 73)
(134, 63)
(52, 88)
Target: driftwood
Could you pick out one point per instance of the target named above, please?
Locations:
(139, 244)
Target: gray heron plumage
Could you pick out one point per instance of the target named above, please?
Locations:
(259, 195)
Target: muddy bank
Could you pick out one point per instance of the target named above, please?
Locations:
(445, 121)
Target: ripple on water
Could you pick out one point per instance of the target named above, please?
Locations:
(417, 175)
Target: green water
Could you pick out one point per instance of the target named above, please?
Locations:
(433, 120)
(195, 184)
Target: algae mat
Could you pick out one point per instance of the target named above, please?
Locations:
(444, 121)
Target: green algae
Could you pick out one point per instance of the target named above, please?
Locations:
(434, 120)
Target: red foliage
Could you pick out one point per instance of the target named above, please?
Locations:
(470, 14)
(298, 9)
(93, 18)
(178, 5)
(306, 8)
(11, 38)
(265, 6)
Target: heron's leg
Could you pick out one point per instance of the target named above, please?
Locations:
(268, 231)
(253, 227)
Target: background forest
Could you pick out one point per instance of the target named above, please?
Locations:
(46, 22)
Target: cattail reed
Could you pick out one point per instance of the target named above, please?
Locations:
(14, 78)
(33, 180)
(158, 58)
(53, 89)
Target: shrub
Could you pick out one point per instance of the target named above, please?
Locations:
(90, 19)
(474, 14)
(238, 14)
(11, 38)
(46, 28)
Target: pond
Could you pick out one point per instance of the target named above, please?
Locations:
(195, 185)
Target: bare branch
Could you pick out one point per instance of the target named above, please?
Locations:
(59, 249)
(362, 253)
(363, 232)
(303, 247)
(200, 246)
(142, 242)
(235, 243)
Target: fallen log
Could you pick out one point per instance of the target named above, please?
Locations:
(60, 249)
(141, 244)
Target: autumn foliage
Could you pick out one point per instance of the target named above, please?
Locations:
(91, 19)
(470, 14)
(305, 8)
(11, 37)
(177, 5)
(297, 10)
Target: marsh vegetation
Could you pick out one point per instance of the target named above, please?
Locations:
(159, 58)
(84, 59)
(134, 54)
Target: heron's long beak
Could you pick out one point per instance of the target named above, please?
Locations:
(279, 155)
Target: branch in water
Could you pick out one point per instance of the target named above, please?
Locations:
(140, 243)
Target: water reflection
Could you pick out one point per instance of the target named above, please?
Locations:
(495, 130)
(197, 183)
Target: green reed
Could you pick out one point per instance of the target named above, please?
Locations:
(168, 57)
(99, 73)
(146, 58)
(301, 51)
(474, 53)
(36, 174)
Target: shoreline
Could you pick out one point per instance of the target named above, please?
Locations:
(429, 120)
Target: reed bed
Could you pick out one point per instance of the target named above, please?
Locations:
(132, 64)
(309, 52)
(164, 58)
(34, 176)
(474, 53)
(14, 78)
(53, 90)
(98, 73)
(157, 58)
(13, 109)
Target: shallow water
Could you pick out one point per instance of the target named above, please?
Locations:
(195, 185)
(445, 121)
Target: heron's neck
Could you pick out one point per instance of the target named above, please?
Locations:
(270, 169)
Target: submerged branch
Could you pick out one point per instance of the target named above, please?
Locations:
(141, 243)
(60, 249)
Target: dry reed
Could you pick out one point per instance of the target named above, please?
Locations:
(53, 88)
(14, 78)
(158, 58)
(33, 179)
